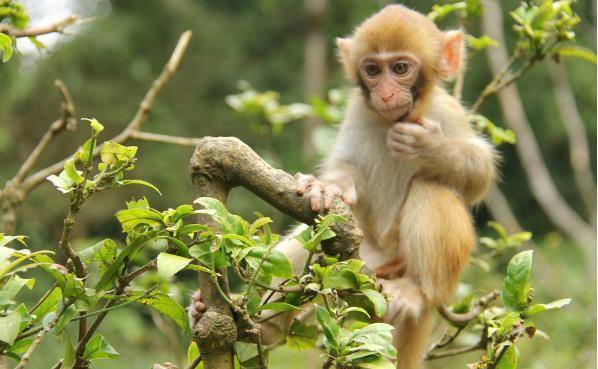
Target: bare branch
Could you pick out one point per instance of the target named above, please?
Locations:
(67, 121)
(156, 137)
(579, 150)
(135, 124)
(57, 27)
(538, 175)
(460, 319)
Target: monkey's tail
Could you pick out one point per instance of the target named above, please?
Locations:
(412, 337)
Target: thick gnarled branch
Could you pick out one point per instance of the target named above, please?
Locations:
(218, 165)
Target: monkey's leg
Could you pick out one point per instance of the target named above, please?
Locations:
(435, 236)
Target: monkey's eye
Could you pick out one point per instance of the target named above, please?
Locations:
(401, 67)
(372, 70)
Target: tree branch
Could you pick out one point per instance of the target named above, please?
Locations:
(538, 175)
(218, 165)
(461, 319)
(57, 27)
(135, 124)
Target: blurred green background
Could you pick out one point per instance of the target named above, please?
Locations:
(108, 65)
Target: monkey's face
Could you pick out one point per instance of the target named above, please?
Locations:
(389, 83)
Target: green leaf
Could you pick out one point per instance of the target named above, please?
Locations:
(98, 348)
(96, 126)
(12, 287)
(192, 353)
(516, 285)
(480, 43)
(69, 352)
(64, 319)
(5, 47)
(276, 263)
(169, 264)
(112, 271)
(165, 305)
(537, 308)
(509, 359)
(131, 218)
(114, 153)
(577, 51)
(104, 252)
(141, 182)
(329, 325)
(9, 327)
(48, 305)
(302, 336)
(228, 223)
(71, 171)
(62, 182)
(280, 307)
(377, 299)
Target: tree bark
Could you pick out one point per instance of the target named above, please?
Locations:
(218, 165)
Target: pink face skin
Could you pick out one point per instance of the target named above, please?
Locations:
(388, 79)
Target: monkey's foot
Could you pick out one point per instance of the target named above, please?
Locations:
(394, 269)
(196, 308)
(321, 192)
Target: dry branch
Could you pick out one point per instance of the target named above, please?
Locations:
(57, 27)
(218, 165)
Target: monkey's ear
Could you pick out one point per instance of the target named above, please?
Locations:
(453, 54)
(344, 54)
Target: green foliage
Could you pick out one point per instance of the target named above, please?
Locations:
(497, 135)
(5, 47)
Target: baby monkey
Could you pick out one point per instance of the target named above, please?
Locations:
(408, 162)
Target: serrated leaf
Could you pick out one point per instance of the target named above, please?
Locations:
(169, 264)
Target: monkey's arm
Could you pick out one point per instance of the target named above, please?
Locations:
(453, 155)
(465, 163)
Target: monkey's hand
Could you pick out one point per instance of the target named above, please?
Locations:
(319, 190)
(412, 140)
(196, 308)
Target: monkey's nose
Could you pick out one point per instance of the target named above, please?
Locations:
(386, 98)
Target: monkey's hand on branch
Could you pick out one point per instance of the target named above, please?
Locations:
(321, 192)
(408, 141)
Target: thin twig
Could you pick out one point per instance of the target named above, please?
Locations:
(57, 27)
(457, 351)
(157, 137)
(460, 319)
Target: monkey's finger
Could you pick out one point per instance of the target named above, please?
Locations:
(304, 182)
(316, 195)
(330, 192)
(402, 138)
